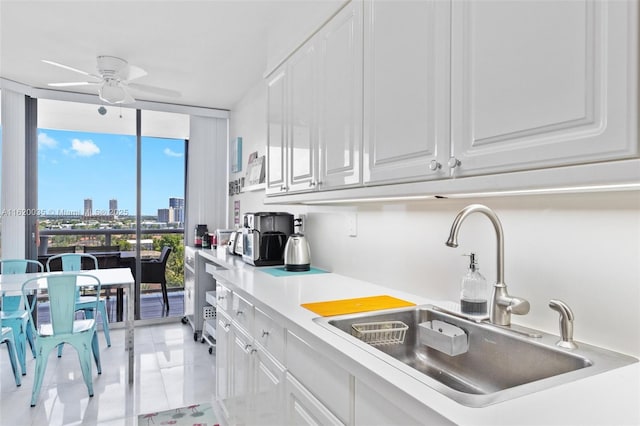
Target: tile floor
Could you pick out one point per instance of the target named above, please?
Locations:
(172, 370)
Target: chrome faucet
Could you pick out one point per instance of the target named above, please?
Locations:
(566, 323)
(502, 304)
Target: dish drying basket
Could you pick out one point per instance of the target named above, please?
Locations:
(380, 333)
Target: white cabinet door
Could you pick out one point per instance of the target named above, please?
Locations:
(276, 133)
(302, 146)
(268, 389)
(383, 406)
(240, 400)
(542, 83)
(406, 90)
(222, 359)
(325, 379)
(340, 98)
(303, 408)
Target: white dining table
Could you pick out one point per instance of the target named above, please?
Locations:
(109, 278)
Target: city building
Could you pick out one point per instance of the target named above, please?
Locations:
(88, 207)
(165, 215)
(178, 209)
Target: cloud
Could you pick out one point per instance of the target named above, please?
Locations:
(170, 153)
(46, 141)
(84, 148)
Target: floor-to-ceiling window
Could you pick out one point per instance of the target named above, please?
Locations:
(88, 188)
(0, 168)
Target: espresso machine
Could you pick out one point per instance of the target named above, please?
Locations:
(264, 237)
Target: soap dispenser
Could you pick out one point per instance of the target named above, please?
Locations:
(475, 292)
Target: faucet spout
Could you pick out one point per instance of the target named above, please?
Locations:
(502, 304)
(455, 228)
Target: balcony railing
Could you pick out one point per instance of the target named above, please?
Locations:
(78, 238)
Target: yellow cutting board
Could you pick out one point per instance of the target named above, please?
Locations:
(352, 306)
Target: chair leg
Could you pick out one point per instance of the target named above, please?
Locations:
(19, 341)
(102, 306)
(95, 348)
(84, 355)
(13, 357)
(31, 340)
(165, 297)
(41, 366)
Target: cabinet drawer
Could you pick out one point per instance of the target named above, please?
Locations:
(269, 335)
(242, 312)
(211, 268)
(210, 297)
(223, 297)
(329, 383)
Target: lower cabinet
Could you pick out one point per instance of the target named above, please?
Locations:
(269, 375)
(303, 408)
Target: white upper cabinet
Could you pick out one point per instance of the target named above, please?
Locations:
(302, 147)
(426, 91)
(315, 110)
(340, 98)
(542, 83)
(276, 133)
(406, 90)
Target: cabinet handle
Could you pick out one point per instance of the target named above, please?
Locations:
(238, 313)
(434, 165)
(265, 333)
(253, 351)
(221, 297)
(247, 347)
(453, 162)
(227, 325)
(312, 183)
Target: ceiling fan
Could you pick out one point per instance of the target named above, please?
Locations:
(114, 80)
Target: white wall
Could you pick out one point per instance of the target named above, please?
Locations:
(580, 248)
(13, 179)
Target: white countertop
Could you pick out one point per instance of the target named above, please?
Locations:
(604, 399)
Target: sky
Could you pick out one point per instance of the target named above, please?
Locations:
(74, 165)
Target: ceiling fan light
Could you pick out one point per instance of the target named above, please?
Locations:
(112, 92)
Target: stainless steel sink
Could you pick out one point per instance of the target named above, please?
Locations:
(500, 363)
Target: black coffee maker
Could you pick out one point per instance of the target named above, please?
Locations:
(264, 236)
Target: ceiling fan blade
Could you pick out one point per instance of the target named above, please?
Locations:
(128, 99)
(156, 90)
(132, 72)
(66, 67)
(75, 83)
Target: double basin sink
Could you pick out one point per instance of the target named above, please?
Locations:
(499, 363)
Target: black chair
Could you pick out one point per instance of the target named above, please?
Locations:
(153, 271)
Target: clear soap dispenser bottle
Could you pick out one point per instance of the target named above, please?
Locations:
(475, 292)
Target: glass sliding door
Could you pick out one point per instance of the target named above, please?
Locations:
(88, 194)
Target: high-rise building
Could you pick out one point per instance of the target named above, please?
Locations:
(165, 215)
(88, 207)
(178, 209)
(176, 203)
(113, 208)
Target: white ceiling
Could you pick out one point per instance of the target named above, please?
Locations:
(211, 51)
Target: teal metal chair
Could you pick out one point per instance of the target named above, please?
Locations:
(74, 262)
(63, 326)
(6, 336)
(14, 313)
